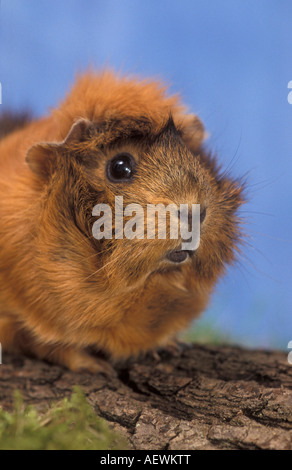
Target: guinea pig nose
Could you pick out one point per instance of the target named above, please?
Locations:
(177, 256)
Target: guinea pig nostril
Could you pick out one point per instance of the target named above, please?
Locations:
(177, 256)
(203, 215)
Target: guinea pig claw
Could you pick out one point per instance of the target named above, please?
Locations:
(154, 355)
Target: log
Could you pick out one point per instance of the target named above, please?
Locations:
(206, 397)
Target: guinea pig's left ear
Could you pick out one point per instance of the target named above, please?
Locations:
(193, 131)
(81, 130)
(41, 157)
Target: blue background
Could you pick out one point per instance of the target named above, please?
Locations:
(231, 60)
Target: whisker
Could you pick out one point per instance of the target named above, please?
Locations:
(271, 236)
(258, 251)
(243, 268)
(98, 253)
(233, 161)
(256, 212)
(250, 263)
(98, 270)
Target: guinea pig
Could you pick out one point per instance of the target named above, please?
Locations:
(64, 291)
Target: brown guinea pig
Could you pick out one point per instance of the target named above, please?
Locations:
(62, 290)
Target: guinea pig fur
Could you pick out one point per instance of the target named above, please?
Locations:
(62, 291)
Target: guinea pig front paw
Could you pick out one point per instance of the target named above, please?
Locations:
(173, 348)
(73, 359)
(83, 362)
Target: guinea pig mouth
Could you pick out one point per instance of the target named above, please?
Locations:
(178, 256)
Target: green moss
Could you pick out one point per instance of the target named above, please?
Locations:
(205, 333)
(69, 425)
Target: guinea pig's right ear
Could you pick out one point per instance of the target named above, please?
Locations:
(41, 158)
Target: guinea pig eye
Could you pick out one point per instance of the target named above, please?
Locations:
(120, 168)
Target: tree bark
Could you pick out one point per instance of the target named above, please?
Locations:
(207, 397)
